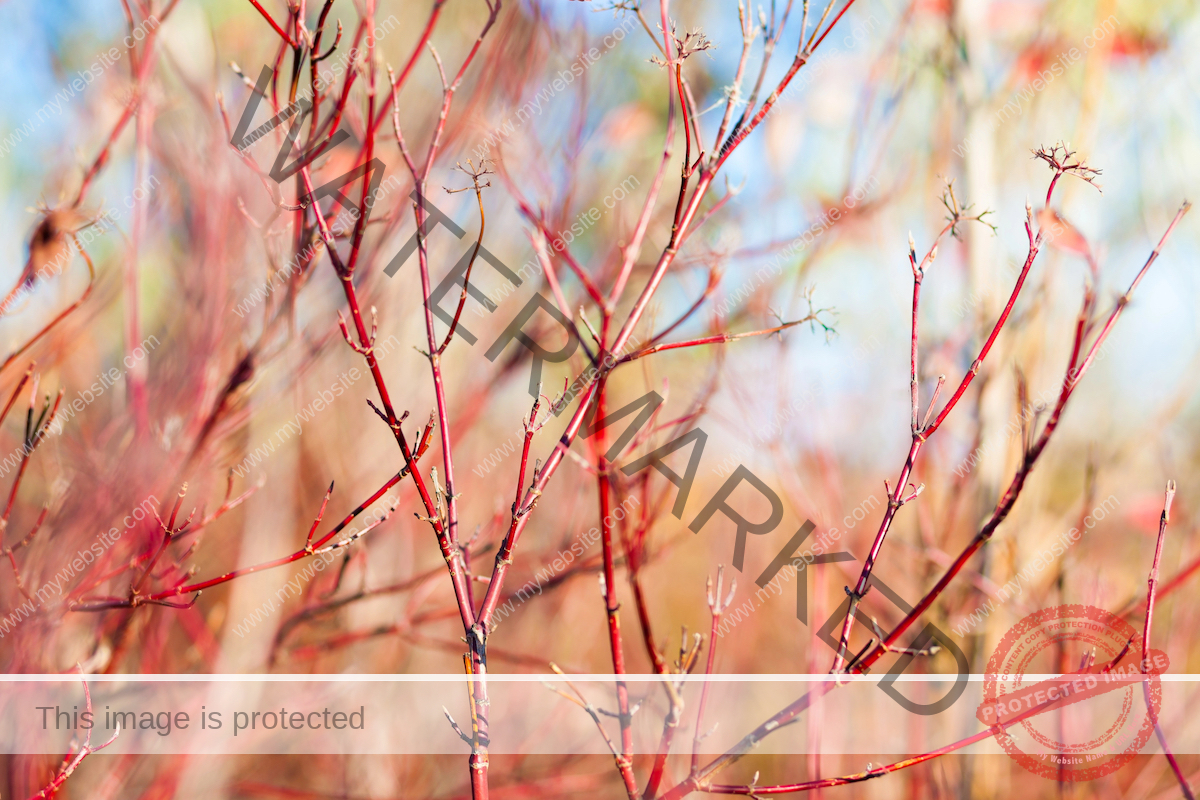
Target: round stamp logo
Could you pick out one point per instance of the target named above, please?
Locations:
(1065, 693)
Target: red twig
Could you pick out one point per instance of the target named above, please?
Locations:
(308, 545)
(145, 62)
(1151, 584)
(311, 548)
(16, 392)
(887, 769)
(667, 257)
(688, 656)
(35, 434)
(168, 531)
(611, 604)
(75, 758)
(583, 703)
(920, 435)
(400, 79)
(1075, 373)
(478, 761)
(717, 607)
(13, 356)
(267, 16)
(462, 297)
(719, 338)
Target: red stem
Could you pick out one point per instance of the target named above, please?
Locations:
(611, 604)
(182, 589)
(503, 556)
(708, 670)
(1074, 375)
(282, 33)
(920, 435)
(1151, 583)
(412, 60)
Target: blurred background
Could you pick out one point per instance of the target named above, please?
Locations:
(816, 209)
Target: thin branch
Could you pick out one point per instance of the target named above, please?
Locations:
(721, 338)
(1003, 507)
(716, 607)
(282, 33)
(73, 759)
(1151, 584)
(462, 298)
